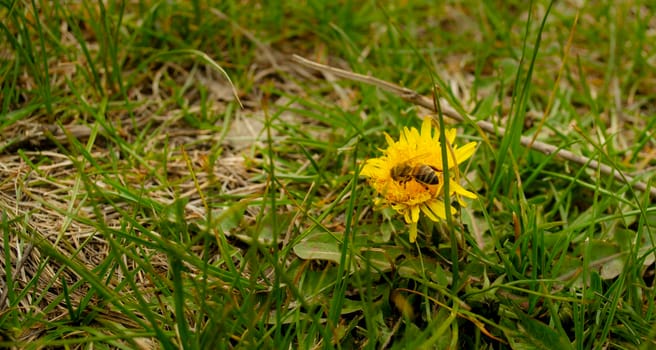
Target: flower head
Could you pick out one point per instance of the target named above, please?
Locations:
(410, 174)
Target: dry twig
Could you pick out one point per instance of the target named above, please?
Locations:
(414, 97)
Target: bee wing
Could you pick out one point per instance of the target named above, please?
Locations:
(413, 160)
(421, 159)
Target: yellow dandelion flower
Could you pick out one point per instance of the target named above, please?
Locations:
(410, 174)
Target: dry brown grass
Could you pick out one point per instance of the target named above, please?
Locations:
(50, 192)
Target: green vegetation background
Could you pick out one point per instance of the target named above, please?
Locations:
(142, 205)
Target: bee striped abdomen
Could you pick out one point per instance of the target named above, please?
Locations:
(426, 175)
(421, 173)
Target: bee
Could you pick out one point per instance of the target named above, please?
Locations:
(422, 173)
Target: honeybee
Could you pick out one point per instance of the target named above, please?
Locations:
(422, 173)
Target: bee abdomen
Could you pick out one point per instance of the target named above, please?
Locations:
(427, 175)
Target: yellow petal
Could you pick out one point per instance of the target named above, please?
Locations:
(407, 216)
(450, 135)
(463, 153)
(461, 191)
(426, 209)
(414, 210)
(426, 127)
(438, 208)
(413, 232)
(389, 139)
